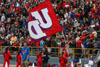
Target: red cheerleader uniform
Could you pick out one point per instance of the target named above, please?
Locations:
(63, 61)
(19, 57)
(7, 57)
(39, 60)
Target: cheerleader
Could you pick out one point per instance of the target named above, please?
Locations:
(19, 57)
(39, 59)
(63, 58)
(7, 57)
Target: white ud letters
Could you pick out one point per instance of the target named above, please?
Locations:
(35, 27)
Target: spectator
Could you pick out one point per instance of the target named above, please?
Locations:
(45, 57)
(79, 18)
(63, 42)
(98, 44)
(25, 52)
(79, 45)
(86, 43)
(13, 39)
(42, 43)
(3, 17)
(72, 44)
(76, 60)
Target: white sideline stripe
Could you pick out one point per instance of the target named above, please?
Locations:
(1, 65)
(86, 65)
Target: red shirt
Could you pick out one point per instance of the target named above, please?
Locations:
(92, 10)
(39, 56)
(83, 37)
(58, 6)
(14, 44)
(19, 57)
(21, 1)
(88, 1)
(82, 13)
(69, 26)
(84, 33)
(94, 1)
(63, 5)
(73, 0)
(93, 15)
(79, 42)
(82, 27)
(7, 56)
(63, 61)
(68, 6)
(66, 53)
(98, 5)
(0, 42)
(27, 5)
(59, 17)
(33, 42)
(91, 36)
(77, 15)
(28, 42)
(96, 11)
(6, 28)
(38, 44)
(96, 26)
(19, 11)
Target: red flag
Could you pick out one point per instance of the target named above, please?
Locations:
(43, 21)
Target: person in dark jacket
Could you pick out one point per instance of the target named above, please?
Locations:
(45, 57)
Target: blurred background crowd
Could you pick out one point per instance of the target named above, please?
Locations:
(79, 18)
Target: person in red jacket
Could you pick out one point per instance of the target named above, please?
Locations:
(39, 59)
(63, 59)
(7, 57)
(91, 36)
(79, 42)
(19, 57)
(65, 52)
(79, 45)
(65, 55)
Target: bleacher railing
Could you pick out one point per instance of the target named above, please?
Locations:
(53, 51)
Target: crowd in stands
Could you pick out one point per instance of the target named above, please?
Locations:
(79, 18)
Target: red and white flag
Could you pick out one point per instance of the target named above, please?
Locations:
(43, 22)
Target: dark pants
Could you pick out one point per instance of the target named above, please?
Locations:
(79, 51)
(98, 65)
(44, 64)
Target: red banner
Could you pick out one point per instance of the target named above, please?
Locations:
(43, 21)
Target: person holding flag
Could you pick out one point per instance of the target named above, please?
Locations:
(63, 58)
